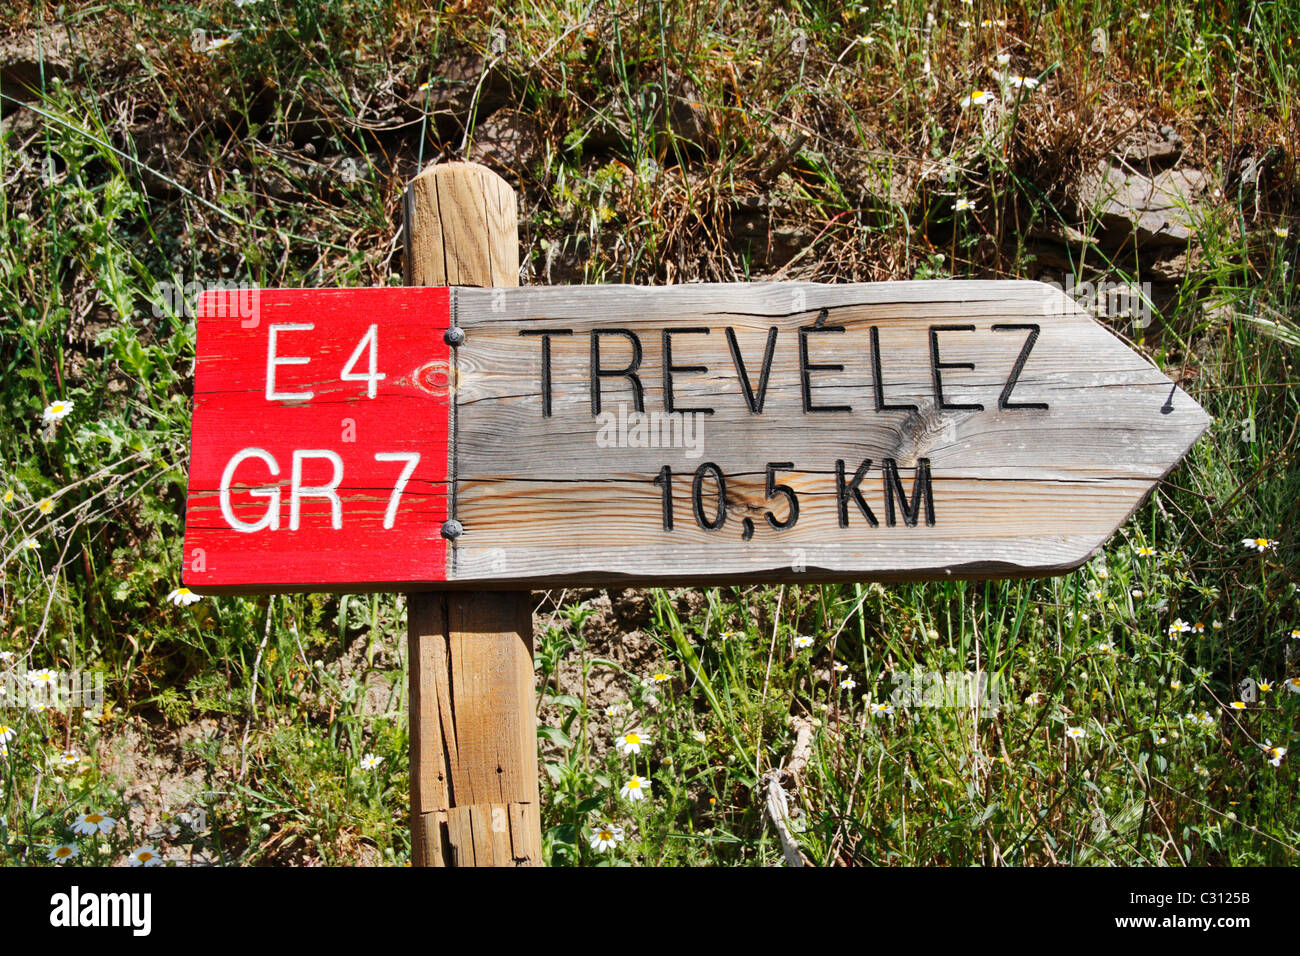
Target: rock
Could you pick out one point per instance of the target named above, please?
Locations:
(28, 56)
(509, 141)
(767, 233)
(22, 125)
(1159, 210)
(887, 183)
(1149, 146)
(685, 116)
(455, 83)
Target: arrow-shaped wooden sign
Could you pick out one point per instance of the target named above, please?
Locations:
(423, 437)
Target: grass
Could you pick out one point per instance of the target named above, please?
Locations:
(671, 141)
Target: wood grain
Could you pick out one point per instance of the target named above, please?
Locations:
(1017, 490)
(474, 791)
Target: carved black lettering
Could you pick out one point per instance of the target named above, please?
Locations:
(922, 494)
(628, 372)
(1004, 400)
(806, 368)
(697, 497)
(669, 368)
(878, 382)
(936, 366)
(664, 480)
(846, 490)
(754, 401)
(546, 363)
(774, 489)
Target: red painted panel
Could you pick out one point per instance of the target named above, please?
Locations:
(306, 441)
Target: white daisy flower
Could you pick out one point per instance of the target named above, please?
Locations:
(1265, 687)
(1145, 552)
(1018, 81)
(68, 758)
(699, 736)
(1273, 754)
(370, 761)
(613, 710)
(606, 837)
(803, 641)
(60, 853)
(56, 412)
(882, 709)
(1237, 705)
(183, 597)
(1293, 685)
(631, 742)
(977, 98)
(1074, 733)
(1179, 627)
(45, 505)
(840, 667)
(1281, 231)
(659, 677)
(1259, 544)
(90, 823)
(635, 789)
(44, 676)
(1034, 699)
(7, 733)
(963, 205)
(848, 683)
(145, 856)
(220, 43)
(1003, 59)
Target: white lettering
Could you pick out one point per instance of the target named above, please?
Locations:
(297, 491)
(271, 492)
(272, 360)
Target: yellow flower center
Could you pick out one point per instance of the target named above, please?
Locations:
(63, 851)
(93, 818)
(46, 506)
(606, 835)
(1261, 542)
(634, 784)
(146, 857)
(632, 739)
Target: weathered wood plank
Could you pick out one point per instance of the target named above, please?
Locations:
(1052, 444)
(461, 229)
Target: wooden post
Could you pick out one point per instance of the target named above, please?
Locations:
(474, 796)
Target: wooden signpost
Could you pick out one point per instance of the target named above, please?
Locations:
(458, 439)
